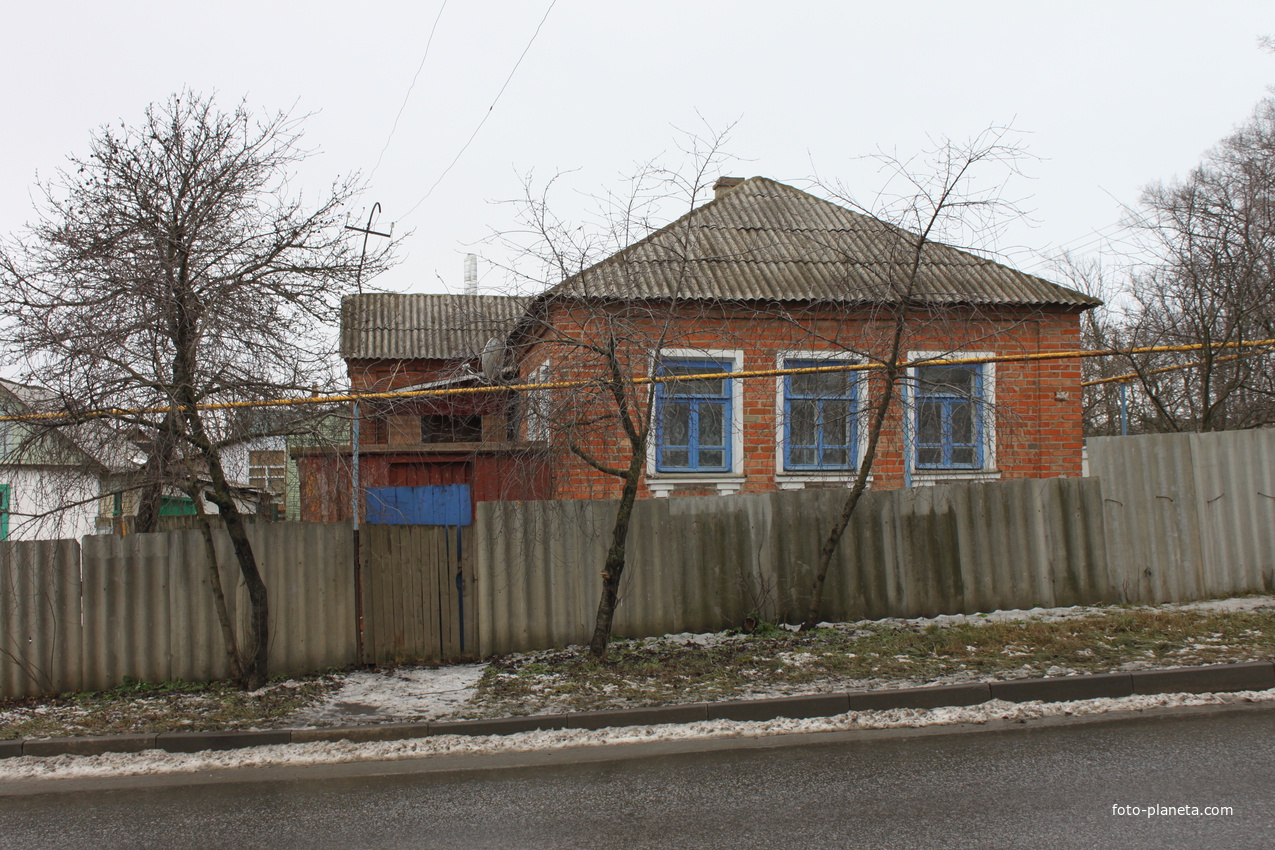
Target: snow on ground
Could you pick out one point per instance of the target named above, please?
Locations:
(159, 762)
(396, 695)
(430, 693)
(1048, 615)
(1239, 603)
(1052, 615)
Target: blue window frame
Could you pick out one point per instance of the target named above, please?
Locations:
(693, 418)
(949, 421)
(820, 417)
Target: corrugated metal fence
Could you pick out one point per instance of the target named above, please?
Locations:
(704, 564)
(1188, 516)
(1173, 517)
(87, 616)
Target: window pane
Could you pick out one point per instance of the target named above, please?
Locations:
(709, 458)
(820, 384)
(676, 458)
(963, 456)
(677, 424)
(947, 380)
(713, 387)
(712, 424)
(802, 423)
(962, 423)
(802, 457)
(838, 458)
(929, 457)
(836, 423)
(929, 423)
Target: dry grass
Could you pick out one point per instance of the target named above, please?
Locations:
(165, 707)
(670, 670)
(660, 671)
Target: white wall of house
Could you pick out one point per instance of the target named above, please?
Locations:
(50, 504)
(234, 460)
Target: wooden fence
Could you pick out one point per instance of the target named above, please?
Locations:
(416, 580)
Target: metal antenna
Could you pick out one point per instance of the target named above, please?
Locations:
(368, 231)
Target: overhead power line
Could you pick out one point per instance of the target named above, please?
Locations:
(408, 96)
(486, 114)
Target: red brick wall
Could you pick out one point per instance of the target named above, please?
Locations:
(1037, 410)
(379, 376)
(325, 476)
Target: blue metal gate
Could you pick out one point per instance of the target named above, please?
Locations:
(427, 504)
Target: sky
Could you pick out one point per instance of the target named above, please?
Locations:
(1105, 98)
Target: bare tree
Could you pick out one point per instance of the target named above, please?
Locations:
(944, 197)
(173, 268)
(1213, 239)
(597, 321)
(1108, 407)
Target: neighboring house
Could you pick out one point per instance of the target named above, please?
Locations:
(70, 481)
(466, 444)
(763, 277)
(50, 479)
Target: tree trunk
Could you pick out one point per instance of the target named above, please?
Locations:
(233, 655)
(838, 531)
(613, 567)
(155, 474)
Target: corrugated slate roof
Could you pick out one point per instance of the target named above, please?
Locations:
(764, 240)
(760, 241)
(452, 327)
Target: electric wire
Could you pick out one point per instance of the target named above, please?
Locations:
(408, 96)
(486, 115)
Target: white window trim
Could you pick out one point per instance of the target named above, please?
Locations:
(536, 426)
(662, 483)
(924, 477)
(798, 479)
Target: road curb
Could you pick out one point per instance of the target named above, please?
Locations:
(1257, 675)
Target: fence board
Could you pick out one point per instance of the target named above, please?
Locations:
(410, 596)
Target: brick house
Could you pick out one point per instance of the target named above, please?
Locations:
(763, 277)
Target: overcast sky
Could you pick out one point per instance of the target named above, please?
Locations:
(1108, 96)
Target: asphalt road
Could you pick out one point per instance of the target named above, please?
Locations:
(1039, 787)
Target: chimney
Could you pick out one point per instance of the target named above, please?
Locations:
(724, 185)
(471, 274)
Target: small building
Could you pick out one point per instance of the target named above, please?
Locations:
(764, 277)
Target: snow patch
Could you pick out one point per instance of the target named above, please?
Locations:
(395, 695)
(159, 762)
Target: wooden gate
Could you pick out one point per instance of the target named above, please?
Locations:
(416, 606)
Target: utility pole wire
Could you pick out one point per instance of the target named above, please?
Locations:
(486, 115)
(408, 96)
